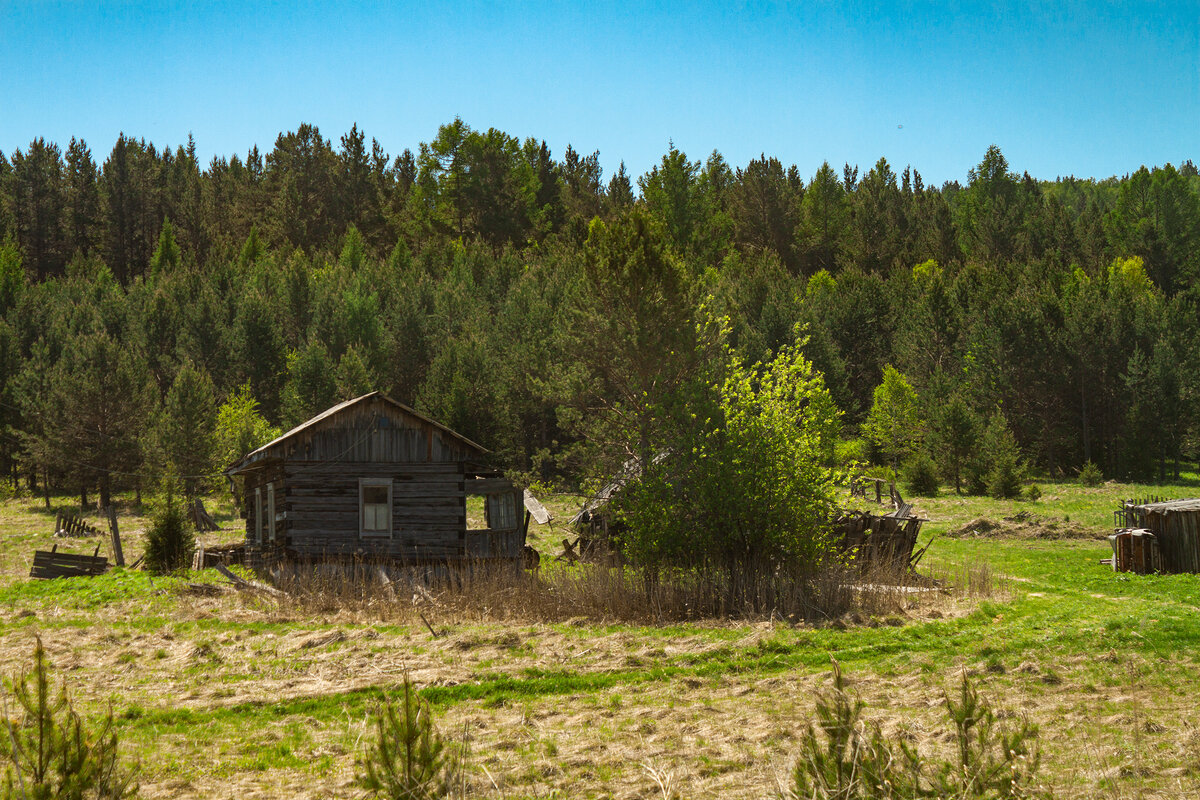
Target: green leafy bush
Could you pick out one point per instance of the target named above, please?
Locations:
(409, 759)
(847, 451)
(170, 541)
(920, 476)
(740, 491)
(1090, 474)
(49, 751)
(845, 758)
(1033, 493)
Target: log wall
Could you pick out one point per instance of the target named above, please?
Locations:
(317, 511)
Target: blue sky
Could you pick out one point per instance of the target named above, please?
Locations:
(1091, 90)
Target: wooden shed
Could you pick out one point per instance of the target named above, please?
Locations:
(371, 478)
(1176, 528)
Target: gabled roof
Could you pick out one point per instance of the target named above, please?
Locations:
(258, 454)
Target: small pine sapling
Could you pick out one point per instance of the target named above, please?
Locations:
(844, 758)
(1090, 475)
(49, 751)
(409, 759)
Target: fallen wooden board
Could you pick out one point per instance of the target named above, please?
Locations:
(535, 507)
(242, 584)
(53, 564)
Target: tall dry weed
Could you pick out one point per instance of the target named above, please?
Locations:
(601, 593)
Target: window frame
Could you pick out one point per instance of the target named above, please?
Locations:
(387, 533)
(258, 515)
(271, 511)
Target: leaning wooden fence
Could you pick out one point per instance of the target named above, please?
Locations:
(69, 525)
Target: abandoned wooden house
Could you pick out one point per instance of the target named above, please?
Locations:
(1157, 536)
(372, 479)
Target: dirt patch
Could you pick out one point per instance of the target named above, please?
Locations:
(1025, 526)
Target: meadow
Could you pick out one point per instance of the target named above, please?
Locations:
(240, 694)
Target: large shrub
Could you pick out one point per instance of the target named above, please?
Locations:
(171, 541)
(920, 476)
(739, 485)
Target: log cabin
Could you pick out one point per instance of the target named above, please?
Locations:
(373, 479)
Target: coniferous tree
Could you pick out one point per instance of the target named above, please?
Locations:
(824, 221)
(93, 408)
(184, 439)
(82, 198)
(894, 423)
(37, 179)
(311, 387)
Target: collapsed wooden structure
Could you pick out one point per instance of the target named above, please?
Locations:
(67, 524)
(1155, 535)
(883, 540)
(372, 479)
(887, 541)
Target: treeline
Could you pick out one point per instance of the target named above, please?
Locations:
(158, 316)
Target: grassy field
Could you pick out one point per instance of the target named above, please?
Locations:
(233, 695)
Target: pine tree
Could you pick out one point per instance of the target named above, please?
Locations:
(894, 423)
(166, 256)
(311, 387)
(184, 439)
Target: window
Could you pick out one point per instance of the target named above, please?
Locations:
(271, 511)
(258, 515)
(375, 504)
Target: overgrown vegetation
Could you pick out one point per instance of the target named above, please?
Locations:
(741, 490)
(50, 751)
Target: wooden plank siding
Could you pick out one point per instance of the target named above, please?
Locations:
(370, 429)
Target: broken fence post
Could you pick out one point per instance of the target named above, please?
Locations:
(118, 555)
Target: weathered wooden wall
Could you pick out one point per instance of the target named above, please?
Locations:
(428, 511)
(316, 470)
(317, 511)
(374, 430)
